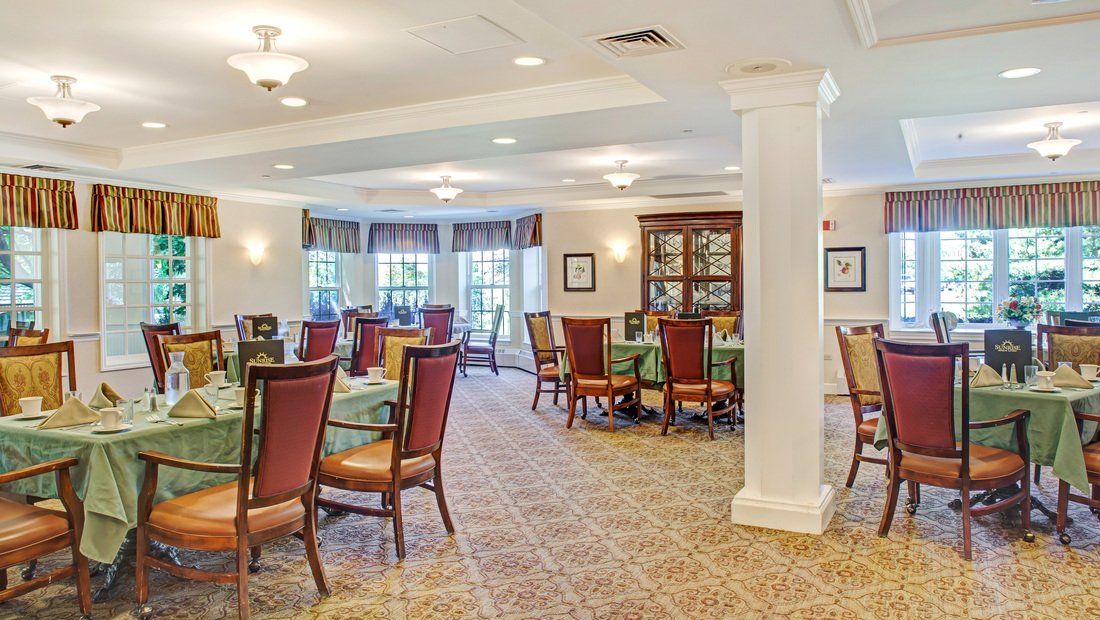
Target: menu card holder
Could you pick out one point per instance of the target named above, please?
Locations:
(258, 352)
(1005, 347)
(403, 314)
(688, 315)
(635, 324)
(265, 328)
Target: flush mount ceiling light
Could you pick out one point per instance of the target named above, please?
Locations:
(568, 180)
(1054, 145)
(154, 125)
(267, 68)
(733, 168)
(62, 108)
(283, 166)
(504, 140)
(1019, 72)
(621, 179)
(529, 61)
(342, 209)
(445, 192)
(294, 102)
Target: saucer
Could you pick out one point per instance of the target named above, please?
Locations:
(1052, 390)
(106, 431)
(37, 416)
(378, 382)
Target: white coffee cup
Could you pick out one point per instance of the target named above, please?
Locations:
(1044, 380)
(31, 405)
(239, 394)
(1088, 371)
(110, 418)
(216, 378)
(375, 374)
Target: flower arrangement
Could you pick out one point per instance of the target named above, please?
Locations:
(1019, 312)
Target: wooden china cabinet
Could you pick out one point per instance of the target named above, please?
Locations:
(691, 261)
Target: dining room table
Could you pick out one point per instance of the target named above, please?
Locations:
(109, 475)
(652, 369)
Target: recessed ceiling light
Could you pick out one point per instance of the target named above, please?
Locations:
(733, 168)
(154, 125)
(283, 167)
(1019, 72)
(342, 209)
(568, 180)
(407, 217)
(504, 140)
(529, 61)
(293, 102)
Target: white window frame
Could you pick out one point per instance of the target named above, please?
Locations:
(41, 309)
(198, 282)
(506, 287)
(378, 288)
(338, 287)
(928, 278)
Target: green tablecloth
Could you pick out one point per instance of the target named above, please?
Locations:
(1052, 434)
(109, 475)
(653, 370)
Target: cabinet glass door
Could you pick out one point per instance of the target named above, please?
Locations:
(666, 253)
(710, 253)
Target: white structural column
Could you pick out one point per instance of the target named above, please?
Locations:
(784, 428)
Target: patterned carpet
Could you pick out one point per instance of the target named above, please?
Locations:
(582, 523)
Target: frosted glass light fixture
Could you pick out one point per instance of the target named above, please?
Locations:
(267, 68)
(445, 192)
(621, 179)
(62, 108)
(1054, 145)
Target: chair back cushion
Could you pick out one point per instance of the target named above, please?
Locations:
(293, 410)
(686, 346)
(365, 345)
(393, 348)
(319, 339)
(538, 327)
(22, 376)
(922, 399)
(430, 384)
(440, 322)
(1076, 349)
(28, 337)
(861, 357)
(198, 358)
(726, 324)
(587, 348)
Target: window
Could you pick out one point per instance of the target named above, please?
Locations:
(402, 281)
(970, 272)
(489, 287)
(146, 278)
(21, 292)
(324, 285)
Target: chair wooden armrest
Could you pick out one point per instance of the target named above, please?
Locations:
(730, 362)
(1087, 417)
(38, 470)
(363, 426)
(1016, 416)
(622, 360)
(556, 352)
(159, 458)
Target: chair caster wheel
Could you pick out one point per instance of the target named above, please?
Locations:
(29, 572)
(955, 504)
(911, 509)
(1064, 538)
(254, 566)
(1029, 537)
(145, 612)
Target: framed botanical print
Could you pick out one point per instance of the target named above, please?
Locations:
(580, 272)
(845, 269)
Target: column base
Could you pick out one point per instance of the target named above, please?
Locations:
(776, 514)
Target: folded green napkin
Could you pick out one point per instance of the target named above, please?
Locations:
(73, 412)
(1066, 376)
(192, 405)
(105, 396)
(986, 377)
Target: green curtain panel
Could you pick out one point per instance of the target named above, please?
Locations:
(36, 202)
(133, 210)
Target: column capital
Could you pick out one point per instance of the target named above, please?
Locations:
(815, 86)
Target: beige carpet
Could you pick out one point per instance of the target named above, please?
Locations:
(582, 523)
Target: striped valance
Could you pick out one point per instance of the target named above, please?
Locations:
(481, 236)
(334, 235)
(403, 238)
(133, 210)
(527, 232)
(307, 230)
(36, 202)
(1056, 205)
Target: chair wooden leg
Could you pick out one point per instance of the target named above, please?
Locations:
(493, 363)
(242, 581)
(83, 582)
(855, 463)
(538, 390)
(141, 571)
(1025, 511)
(398, 526)
(710, 420)
(892, 487)
(441, 500)
(313, 554)
(572, 411)
(667, 414)
(254, 563)
(3, 579)
(914, 497)
(1037, 470)
(557, 388)
(1063, 511)
(966, 521)
(610, 411)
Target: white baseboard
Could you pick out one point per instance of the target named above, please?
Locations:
(776, 514)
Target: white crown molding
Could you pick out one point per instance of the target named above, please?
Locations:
(22, 150)
(864, 22)
(566, 98)
(1010, 167)
(814, 86)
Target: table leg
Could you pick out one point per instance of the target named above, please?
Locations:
(124, 559)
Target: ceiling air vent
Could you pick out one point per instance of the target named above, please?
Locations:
(688, 195)
(45, 168)
(652, 40)
(390, 211)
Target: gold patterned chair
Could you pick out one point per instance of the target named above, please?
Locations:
(25, 336)
(728, 321)
(547, 355)
(651, 317)
(392, 341)
(202, 353)
(35, 370)
(1060, 343)
(857, 352)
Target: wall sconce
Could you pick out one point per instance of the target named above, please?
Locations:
(619, 252)
(256, 254)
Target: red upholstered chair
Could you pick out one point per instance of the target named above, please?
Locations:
(348, 316)
(918, 389)
(273, 496)
(436, 306)
(547, 356)
(411, 449)
(588, 346)
(244, 324)
(318, 339)
(857, 353)
(440, 321)
(150, 331)
(364, 344)
(483, 352)
(685, 349)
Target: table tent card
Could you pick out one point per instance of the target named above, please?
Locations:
(634, 323)
(265, 327)
(1005, 347)
(259, 352)
(403, 314)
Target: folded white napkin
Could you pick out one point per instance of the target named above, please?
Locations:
(192, 405)
(340, 385)
(1066, 376)
(105, 396)
(986, 377)
(73, 412)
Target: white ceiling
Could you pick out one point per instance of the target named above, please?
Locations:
(391, 112)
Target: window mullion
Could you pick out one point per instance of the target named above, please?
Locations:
(928, 275)
(1000, 267)
(1074, 270)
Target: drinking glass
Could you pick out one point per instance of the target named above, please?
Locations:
(127, 407)
(1029, 375)
(638, 337)
(1060, 364)
(72, 394)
